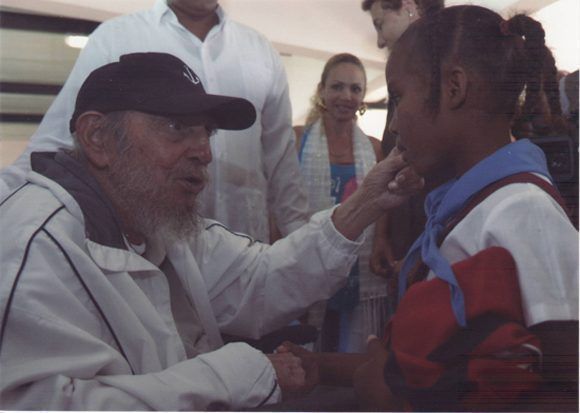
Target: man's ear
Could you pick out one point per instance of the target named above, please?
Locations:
(88, 133)
(455, 87)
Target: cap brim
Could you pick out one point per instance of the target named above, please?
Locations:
(227, 112)
(231, 113)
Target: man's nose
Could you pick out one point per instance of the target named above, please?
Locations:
(199, 148)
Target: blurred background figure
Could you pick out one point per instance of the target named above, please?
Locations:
(335, 155)
(254, 172)
(392, 17)
(402, 225)
(552, 124)
(568, 85)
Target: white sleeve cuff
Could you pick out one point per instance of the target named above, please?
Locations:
(335, 238)
(247, 374)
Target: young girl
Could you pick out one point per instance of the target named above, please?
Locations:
(491, 324)
(501, 254)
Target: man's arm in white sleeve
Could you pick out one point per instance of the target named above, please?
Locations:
(58, 354)
(256, 288)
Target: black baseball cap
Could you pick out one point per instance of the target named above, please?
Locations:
(158, 84)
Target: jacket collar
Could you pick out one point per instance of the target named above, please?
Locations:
(102, 224)
(117, 260)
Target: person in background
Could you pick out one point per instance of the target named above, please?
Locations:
(568, 87)
(115, 293)
(544, 116)
(489, 321)
(402, 225)
(255, 171)
(335, 155)
(551, 124)
(392, 17)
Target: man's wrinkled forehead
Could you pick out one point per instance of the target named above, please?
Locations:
(180, 122)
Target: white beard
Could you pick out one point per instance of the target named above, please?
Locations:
(146, 203)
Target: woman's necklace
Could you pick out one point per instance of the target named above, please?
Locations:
(335, 151)
(339, 154)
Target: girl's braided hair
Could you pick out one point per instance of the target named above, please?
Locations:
(507, 56)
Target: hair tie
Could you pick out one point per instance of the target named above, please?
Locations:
(504, 28)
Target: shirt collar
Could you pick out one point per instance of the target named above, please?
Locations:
(163, 12)
(160, 9)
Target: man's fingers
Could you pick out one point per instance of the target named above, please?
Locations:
(282, 348)
(289, 371)
(288, 346)
(394, 161)
(406, 181)
(396, 150)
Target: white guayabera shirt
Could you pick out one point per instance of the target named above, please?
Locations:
(253, 171)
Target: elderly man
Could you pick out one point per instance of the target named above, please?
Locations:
(115, 292)
(255, 171)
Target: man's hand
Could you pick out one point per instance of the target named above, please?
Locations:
(387, 185)
(330, 369)
(369, 381)
(289, 372)
(391, 181)
(308, 362)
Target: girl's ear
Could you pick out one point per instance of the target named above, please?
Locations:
(455, 87)
(88, 134)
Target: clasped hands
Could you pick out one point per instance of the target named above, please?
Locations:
(362, 371)
(296, 375)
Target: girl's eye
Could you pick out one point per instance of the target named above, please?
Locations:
(356, 89)
(336, 87)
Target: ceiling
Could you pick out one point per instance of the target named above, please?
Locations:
(310, 26)
(306, 32)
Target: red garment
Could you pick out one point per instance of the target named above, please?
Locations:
(437, 365)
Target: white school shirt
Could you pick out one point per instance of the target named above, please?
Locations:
(532, 226)
(253, 171)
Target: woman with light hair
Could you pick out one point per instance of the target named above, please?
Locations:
(335, 155)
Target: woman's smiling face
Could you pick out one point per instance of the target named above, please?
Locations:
(344, 91)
